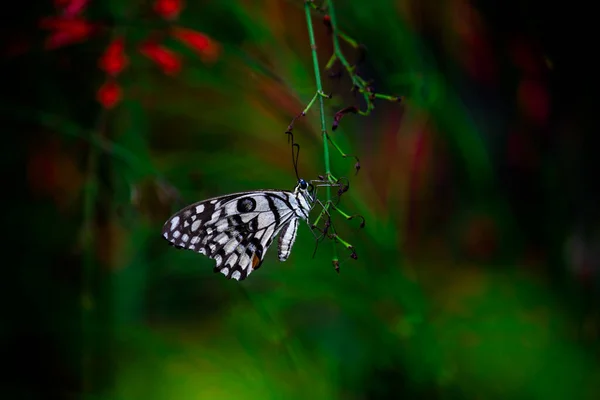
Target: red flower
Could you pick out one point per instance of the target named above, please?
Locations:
(114, 60)
(165, 58)
(109, 94)
(168, 9)
(196, 40)
(327, 22)
(66, 31)
(71, 8)
(199, 42)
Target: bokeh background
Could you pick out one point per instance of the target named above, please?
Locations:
(477, 273)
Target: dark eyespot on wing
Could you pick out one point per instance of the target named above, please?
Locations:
(247, 204)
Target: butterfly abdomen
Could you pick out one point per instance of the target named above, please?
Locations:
(287, 238)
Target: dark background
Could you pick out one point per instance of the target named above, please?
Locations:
(477, 274)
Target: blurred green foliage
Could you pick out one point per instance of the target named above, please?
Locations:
(448, 299)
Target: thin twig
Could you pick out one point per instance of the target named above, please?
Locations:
(313, 46)
(359, 84)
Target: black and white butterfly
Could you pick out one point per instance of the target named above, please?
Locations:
(236, 230)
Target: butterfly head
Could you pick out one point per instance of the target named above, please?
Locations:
(306, 190)
(302, 185)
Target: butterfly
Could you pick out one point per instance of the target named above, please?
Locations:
(236, 230)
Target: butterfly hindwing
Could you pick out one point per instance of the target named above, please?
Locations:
(236, 230)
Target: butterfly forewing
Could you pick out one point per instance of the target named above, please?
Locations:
(236, 230)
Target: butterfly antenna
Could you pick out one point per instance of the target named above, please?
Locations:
(296, 152)
(295, 160)
(324, 234)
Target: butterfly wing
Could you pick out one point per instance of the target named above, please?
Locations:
(235, 230)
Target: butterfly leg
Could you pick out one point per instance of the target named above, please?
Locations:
(334, 236)
(329, 230)
(323, 214)
(342, 184)
(324, 231)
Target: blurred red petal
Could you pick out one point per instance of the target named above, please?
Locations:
(166, 60)
(109, 94)
(67, 31)
(207, 48)
(196, 40)
(73, 25)
(61, 39)
(168, 9)
(74, 8)
(114, 60)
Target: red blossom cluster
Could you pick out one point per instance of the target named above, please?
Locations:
(71, 27)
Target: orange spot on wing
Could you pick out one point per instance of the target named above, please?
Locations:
(255, 261)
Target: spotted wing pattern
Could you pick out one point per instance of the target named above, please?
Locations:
(236, 230)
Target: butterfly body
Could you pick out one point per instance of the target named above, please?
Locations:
(236, 230)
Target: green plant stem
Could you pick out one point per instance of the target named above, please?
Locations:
(336, 43)
(315, 58)
(357, 81)
(87, 239)
(312, 101)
